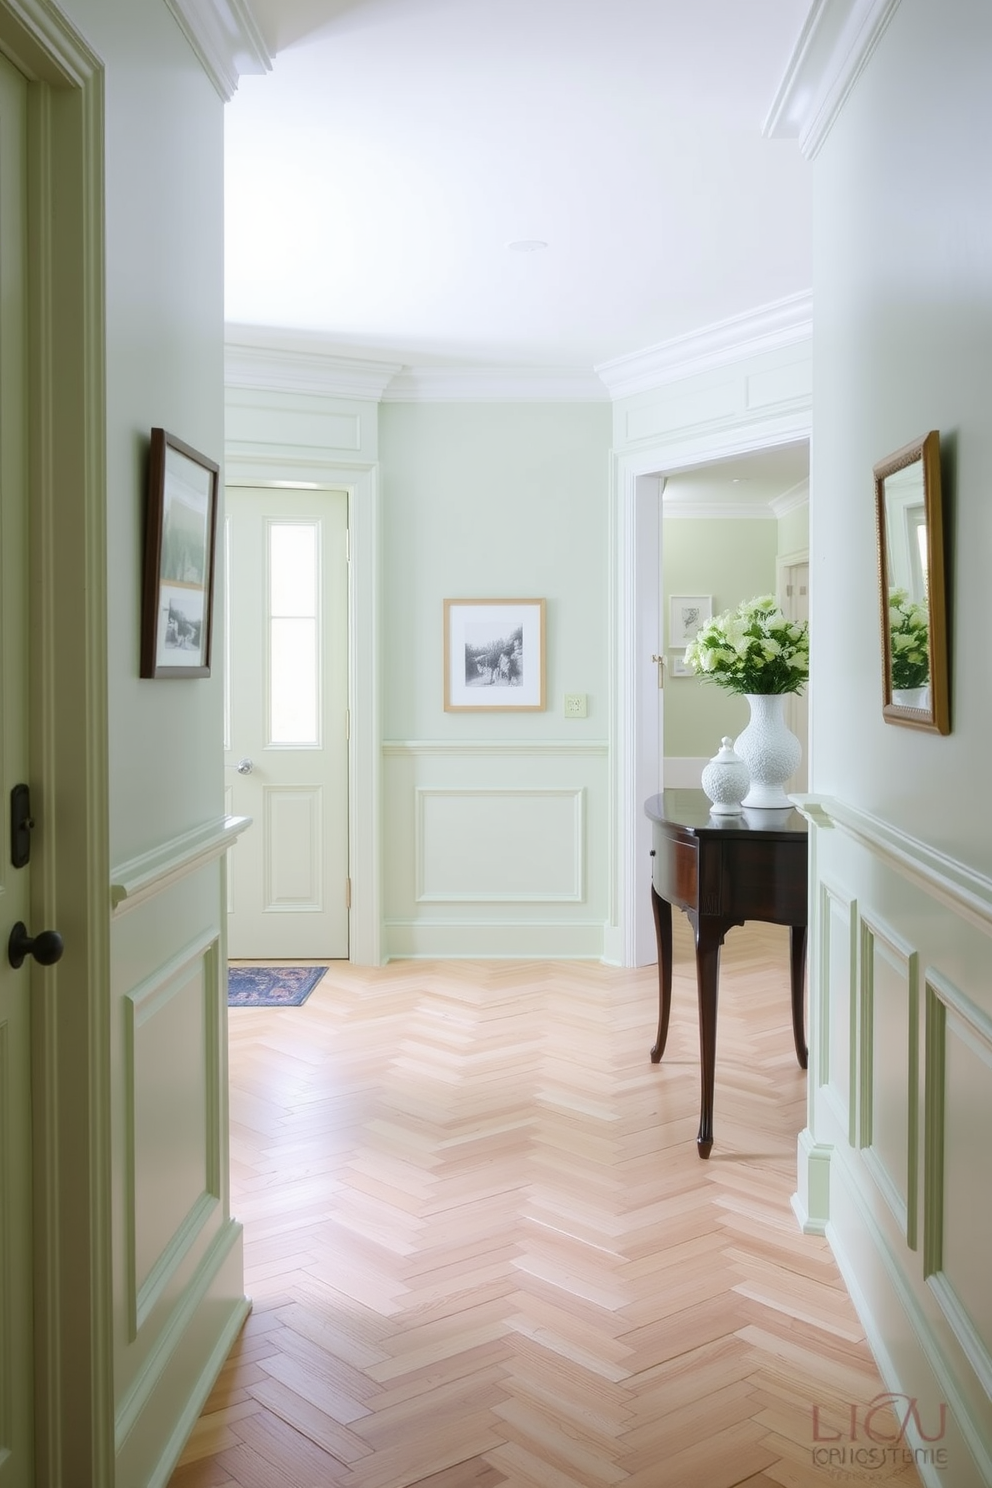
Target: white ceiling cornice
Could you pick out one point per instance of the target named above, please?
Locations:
(835, 44)
(496, 385)
(225, 37)
(790, 501)
(782, 323)
(289, 370)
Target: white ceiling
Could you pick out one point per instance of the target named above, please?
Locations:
(761, 482)
(377, 174)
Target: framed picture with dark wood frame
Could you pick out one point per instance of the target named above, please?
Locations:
(494, 655)
(180, 538)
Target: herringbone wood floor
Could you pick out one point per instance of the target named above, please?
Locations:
(482, 1248)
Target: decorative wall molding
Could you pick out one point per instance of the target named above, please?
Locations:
(199, 962)
(226, 39)
(496, 385)
(472, 748)
(471, 861)
(292, 369)
(791, 500)
(832, 51)
(956, 886)
(45, 45)
(527, 939)
(140, 878)
(782, 323)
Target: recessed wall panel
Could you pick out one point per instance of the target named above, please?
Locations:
(838, 1002)
(890, 1106)
(174, 1170)
(499, 846)
(966, 1199)
(293, 827)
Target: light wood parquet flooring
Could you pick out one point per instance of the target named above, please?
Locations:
(483, 1251)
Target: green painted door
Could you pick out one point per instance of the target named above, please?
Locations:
(16, 1468)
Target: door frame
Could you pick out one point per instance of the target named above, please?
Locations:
(638, 481)
(360, 482)
(74, 1404)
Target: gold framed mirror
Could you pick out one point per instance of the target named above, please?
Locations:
(909, 519)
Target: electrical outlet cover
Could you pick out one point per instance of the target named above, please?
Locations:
(575, 705)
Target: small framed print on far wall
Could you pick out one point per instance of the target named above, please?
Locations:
(680, 667)
(494, 655)
(686, 613)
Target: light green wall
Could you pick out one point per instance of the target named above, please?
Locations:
(731, 559)
(903, 328)
(494, 501)
(165, 328)
(793, 531)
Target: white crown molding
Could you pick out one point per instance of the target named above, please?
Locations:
(718, 511)
(280, 369)
(225, 37)
(782, 323)
(836, 42)
(496, 385)
(791, 500)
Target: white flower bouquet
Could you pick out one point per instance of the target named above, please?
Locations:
(909, 640)
(753, 649)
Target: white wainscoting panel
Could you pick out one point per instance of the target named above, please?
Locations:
(496, 850)
(889, 1037)
(173, 1174)
(959, 1188)
(901, 1042)
(837, 1005)
(499, 846)
(178, 1282)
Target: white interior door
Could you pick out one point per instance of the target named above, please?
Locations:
(287, 726)
(16, 1469)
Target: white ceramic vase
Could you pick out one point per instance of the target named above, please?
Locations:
(770, 750)
(725, 780)
(912, 697)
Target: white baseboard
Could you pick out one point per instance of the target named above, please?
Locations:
(518, 940)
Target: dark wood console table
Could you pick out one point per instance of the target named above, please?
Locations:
(723, 871)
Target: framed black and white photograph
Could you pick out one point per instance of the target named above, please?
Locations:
(687, 612)
(493, 654)
(180, 536)
(680, 667)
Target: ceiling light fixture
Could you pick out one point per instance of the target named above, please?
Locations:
(527, 245)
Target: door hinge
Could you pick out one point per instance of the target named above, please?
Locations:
(347, 723)
(347, 893)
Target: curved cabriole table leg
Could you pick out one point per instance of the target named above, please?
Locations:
(797, 968)
(709, 938)
(663, 930)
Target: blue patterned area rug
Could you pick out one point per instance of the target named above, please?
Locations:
(271, 986)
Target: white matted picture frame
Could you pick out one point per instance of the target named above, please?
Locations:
(494, 655)
(686, 614)
(680, 667)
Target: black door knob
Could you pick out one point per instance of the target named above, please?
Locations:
(46, 948)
